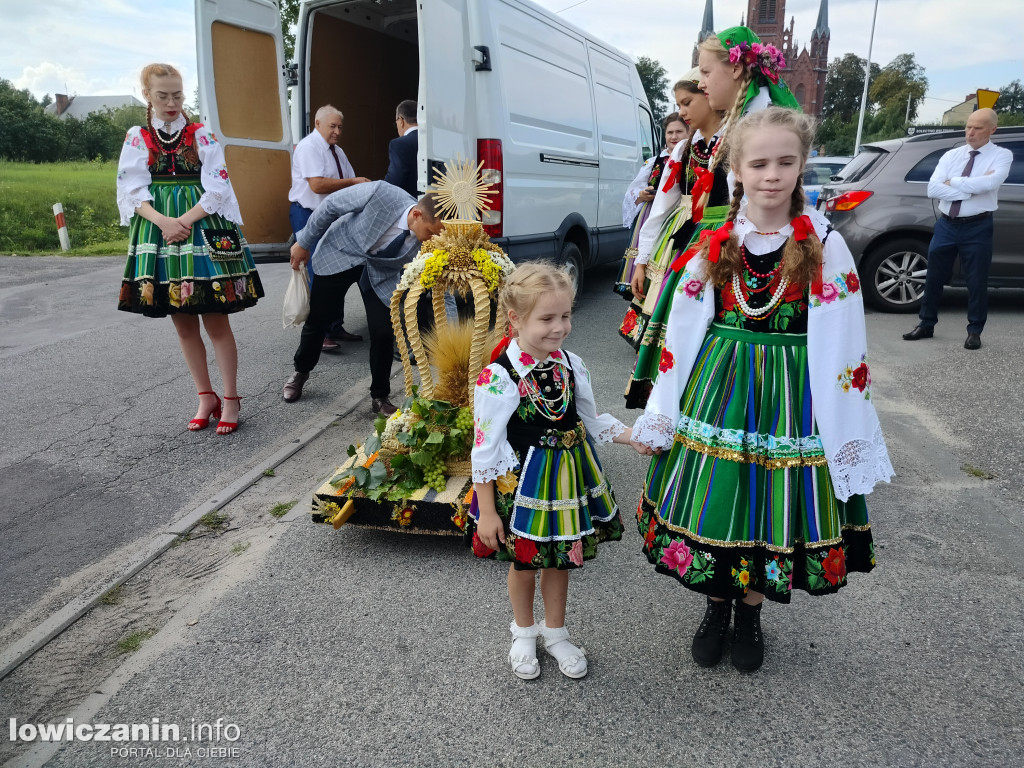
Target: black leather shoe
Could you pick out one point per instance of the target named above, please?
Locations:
(382, 406)
(710, 638)
(973, 341)
(920, 332)
(747, 640)
(331, 346)
(293, 387)
(343, 335)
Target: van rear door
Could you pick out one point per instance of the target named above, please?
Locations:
(243, 100)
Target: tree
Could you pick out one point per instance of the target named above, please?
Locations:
(900, 87)
(1011, 99)
(289, 18)
(844, 86)
(655, 81)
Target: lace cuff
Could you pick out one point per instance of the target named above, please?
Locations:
(129, 201)
(655, 430)
(225, 205)
(859, 465)
(507, 462)
(609, 432)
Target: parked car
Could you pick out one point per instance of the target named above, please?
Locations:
(818, 172)
(559, 119)
(881, 207)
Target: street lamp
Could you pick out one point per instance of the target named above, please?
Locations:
(867, 77)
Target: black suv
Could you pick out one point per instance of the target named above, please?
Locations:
(879, 203)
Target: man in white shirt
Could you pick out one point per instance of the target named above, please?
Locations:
(966, 183)
(320, 167)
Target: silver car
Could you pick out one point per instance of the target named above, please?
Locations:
(879, 203)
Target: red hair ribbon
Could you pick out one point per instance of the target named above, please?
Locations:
(684, 258)
(716, 239)
(802, 229)
(674, 169)
(502, 346)
(705, 179)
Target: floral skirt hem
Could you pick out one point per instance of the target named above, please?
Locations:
(729, 569)
(202, 296)
(528, 555)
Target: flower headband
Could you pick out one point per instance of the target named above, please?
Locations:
(766, 58)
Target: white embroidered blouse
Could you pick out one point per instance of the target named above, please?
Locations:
(496, 399)
(836, 342)
(133, 176)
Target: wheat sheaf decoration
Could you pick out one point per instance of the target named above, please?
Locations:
(461, 191)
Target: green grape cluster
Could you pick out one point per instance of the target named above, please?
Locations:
(434, 474)
(464, 419)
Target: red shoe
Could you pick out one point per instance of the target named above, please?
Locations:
(197, 424)
(230, 426)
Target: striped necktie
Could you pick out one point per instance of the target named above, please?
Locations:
(954, 209)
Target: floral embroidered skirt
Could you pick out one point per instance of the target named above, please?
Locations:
(622, 283)
(212, 272)
(561, 509)
(743, 499)
(652, 339)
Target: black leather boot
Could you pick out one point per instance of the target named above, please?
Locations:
(710, 638)
(747, 640)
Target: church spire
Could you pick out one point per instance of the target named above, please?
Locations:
(707, 27)
(821, 28)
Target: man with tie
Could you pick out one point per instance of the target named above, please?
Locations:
(377, 225)
(966, 183)
(320, 167)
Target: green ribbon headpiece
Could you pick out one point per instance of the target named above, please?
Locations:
(765, 63)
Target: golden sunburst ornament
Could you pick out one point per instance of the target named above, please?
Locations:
(460, 191)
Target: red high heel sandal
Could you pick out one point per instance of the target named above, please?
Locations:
(231, 426)
(197, 424)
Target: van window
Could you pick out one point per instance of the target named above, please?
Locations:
(647, 134)
(1017, 167)
(863, 163)
(925, 168)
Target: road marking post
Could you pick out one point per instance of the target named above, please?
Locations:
(62, 227)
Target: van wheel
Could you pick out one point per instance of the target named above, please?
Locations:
(893, 275)
(572, 261)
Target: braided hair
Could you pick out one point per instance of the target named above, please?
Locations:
(801, 258)
(714, 46)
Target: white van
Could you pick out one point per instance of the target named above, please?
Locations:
(560, 119)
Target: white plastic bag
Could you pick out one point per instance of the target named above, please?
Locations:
(296, 299)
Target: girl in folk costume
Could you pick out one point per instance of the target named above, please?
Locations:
(739, 76)
(186, 255)
(669, 226)
(536, 427)
(636, 205)
(762, 417)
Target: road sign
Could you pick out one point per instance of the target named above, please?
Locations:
(987, 99)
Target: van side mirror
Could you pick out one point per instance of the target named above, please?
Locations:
(290, 73)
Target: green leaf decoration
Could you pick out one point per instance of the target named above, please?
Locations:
(421, 458)
(399, 461)
(372, 445)
(435, 438)
(352, 450)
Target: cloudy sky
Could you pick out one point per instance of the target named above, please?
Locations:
(96, 47)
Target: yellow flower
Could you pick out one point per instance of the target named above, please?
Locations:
(329, 509)
(744, 578)
(216, 285)
(507, 482)
(174, 293)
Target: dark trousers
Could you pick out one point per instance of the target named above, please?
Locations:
(299, 216)
(326, 306)
(382, 339)
(972, 241)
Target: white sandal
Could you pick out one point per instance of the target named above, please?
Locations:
(523, 655)
(571, 660)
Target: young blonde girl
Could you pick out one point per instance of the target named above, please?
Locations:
(762, 417)
(740, 76)
(541, 501)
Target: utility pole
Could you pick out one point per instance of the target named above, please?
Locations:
(867, 77)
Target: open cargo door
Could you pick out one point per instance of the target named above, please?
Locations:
(243, 99)
(447, 125)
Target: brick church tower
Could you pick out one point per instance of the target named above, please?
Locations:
(806, 68)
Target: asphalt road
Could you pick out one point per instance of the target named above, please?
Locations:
(378, 649)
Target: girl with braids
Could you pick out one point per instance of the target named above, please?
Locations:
(739, 76)
(186, 255)
(536, 427)
(670, 228)
(636, 205)
(762, 419)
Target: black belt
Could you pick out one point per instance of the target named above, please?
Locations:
(966, 219)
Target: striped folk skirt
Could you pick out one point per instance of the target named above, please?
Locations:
(561, 509)
(743, 500)
(622, 282)
(211, 272)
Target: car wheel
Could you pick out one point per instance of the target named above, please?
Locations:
(572, 262)
(893, 275)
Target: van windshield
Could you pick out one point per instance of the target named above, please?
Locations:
(862, 164)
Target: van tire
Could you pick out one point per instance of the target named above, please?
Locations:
(892, 275)
(572, 261)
